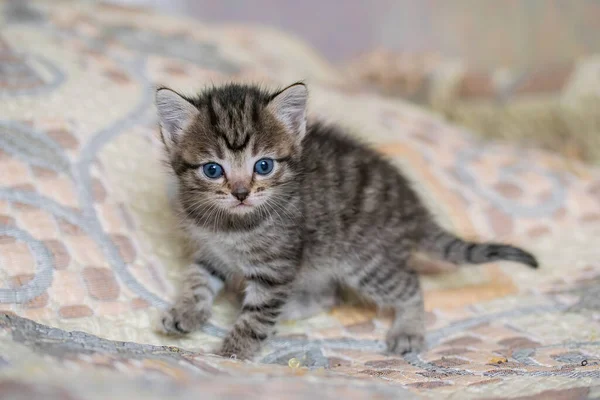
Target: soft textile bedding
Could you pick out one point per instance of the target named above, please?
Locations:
(89, 251)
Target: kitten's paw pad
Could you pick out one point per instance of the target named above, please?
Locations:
(402, 343)
(183, 319)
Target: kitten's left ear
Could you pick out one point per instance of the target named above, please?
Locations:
(175, 113)
(289, 106)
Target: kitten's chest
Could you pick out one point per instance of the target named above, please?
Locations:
(231, 249)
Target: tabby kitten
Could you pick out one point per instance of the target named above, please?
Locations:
(295, 210)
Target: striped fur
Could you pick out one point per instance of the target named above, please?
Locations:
(332, 213)
(447, 246)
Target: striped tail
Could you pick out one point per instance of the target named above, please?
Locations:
(446, 246)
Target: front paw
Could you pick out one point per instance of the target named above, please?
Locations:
(183, 318)
(239, 349)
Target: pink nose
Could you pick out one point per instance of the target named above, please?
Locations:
(240, 193)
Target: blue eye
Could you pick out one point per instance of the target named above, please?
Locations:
(264, 166)
(212, 170)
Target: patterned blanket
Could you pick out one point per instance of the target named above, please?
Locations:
(89, 252)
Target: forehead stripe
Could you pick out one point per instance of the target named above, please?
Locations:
(236, 147)
(212, 113)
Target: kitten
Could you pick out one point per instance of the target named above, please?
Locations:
(294, 210)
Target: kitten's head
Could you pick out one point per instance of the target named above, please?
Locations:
(235, 149)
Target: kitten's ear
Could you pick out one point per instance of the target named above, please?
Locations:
(289, 106)
(175, 113)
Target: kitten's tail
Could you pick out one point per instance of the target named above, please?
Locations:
(446, 246)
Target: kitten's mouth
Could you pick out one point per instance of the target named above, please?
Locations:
(241, 209)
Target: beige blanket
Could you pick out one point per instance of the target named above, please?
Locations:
(87, 242)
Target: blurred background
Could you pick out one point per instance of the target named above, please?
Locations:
(487, 33)
(523, 70)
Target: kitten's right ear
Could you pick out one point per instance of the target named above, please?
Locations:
(175, 113)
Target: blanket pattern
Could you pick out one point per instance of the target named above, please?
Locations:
(88, 243)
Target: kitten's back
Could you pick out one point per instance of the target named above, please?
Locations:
(353, 195)
(355, 200)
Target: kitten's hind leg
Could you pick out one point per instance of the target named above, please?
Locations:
(193, 306)
(407, 333)
(392, 285)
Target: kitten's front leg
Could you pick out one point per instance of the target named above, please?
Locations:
(201, 283)
(264, 298)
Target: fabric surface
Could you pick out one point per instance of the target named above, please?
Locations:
(88, 244)
(551, 106)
